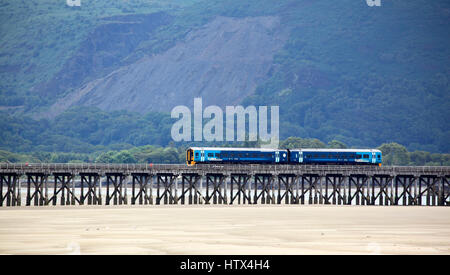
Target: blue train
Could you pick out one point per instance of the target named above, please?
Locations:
(197, 155)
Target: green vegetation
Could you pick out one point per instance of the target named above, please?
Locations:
(143, 154)
(393, 154)
(396, 154)
(294, 142)
(91, 135)
(39, 36)
(84, 130)
(363, 76)
(348, 74)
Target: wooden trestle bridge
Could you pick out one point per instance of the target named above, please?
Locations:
(143, 184)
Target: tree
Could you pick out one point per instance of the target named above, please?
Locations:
(419, 158)
(394, 154)
(106, 157)
(336, 144)
(296, 143)
(124, 157)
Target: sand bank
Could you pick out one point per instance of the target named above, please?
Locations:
(225, 230)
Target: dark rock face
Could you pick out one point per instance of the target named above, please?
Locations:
(103, 50)
(221, 62)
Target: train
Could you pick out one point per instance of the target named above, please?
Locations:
(211, 155)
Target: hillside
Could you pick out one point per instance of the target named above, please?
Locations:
(221, 62)
(338, 70)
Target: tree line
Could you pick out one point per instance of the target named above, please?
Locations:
(393, 154)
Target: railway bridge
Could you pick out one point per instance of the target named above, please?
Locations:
(147, 184)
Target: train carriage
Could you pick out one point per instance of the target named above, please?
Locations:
(235, 155)
(336, 156)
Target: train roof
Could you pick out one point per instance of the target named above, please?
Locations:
(235, 149)
(337, 150)
(274, 150)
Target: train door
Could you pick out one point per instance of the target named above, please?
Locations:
(374, 157)
(277, 157)
(203, 156)
(300, 157)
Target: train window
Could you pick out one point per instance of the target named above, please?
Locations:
(379, 156)
(358, 156)
(196, 154)
(217, 155)
(366, 156)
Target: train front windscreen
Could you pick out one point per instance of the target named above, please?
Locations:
(190, 157)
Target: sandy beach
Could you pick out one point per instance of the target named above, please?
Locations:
(225, 230)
